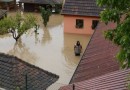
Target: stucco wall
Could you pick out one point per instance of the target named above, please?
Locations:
(70, 24)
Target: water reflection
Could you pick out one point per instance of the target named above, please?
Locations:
(46, 36)
(21, 51)
(55, 20)
(68, 50)
(36, 38)
(49, 48)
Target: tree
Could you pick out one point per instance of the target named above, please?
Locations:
(17, 25)
(45, 15)
(58, 8)
(118, 11)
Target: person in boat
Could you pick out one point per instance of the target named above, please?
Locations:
(77, 48)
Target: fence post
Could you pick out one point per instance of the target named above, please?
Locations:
(26, 81)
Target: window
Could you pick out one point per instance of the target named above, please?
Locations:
(94, 23)
(79, 23)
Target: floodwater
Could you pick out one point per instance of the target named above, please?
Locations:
(50, 49)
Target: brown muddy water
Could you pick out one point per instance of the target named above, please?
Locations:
(51, 49)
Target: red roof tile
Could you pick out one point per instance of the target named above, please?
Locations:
(117, 80)
(98, 68)
(98, 58)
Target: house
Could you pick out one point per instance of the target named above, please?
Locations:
(80, 16)
(15, 73)
(7, 4)
(3, 13)
(33, 5)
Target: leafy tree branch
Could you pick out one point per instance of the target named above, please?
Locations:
(45, 15)
(17, 25)
(118, 11)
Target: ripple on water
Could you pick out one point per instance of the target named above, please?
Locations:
(50, 49)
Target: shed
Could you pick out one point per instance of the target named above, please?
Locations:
(7, 4)
(33, 5)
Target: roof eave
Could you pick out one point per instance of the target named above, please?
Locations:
(80, 15)
(31, 2)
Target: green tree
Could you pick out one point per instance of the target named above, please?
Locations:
(17, 25)
(118, 11)
(58, 8)
(45, 15)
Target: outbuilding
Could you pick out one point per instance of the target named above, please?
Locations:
(33, 5)
(7, 4)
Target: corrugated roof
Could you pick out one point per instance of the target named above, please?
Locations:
(117, 80)
(13, 73)
(35, 1)
(2, 12)
(98, 58)
(81, 7)
(42, 1)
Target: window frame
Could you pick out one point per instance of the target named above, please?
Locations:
(94, 24)
(79, 23)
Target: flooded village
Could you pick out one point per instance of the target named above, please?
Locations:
(46, 60)
(51, 49)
